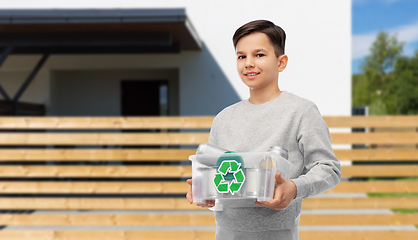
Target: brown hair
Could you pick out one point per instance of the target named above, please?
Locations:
(275, 33)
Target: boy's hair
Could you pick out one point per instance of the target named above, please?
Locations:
(275, 33)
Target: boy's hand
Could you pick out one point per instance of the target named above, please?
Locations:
(285, 192)
(189, 196)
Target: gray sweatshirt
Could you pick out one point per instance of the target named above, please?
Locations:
(292, 123)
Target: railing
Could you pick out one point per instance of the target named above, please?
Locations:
(130, 189)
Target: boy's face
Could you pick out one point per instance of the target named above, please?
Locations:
(257, 63)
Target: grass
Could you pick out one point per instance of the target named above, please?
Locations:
(405, 211)
(401, 211)
(392, 194)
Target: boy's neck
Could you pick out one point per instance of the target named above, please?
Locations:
(260, 96)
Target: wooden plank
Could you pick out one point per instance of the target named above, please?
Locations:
(179, 171)
(45, 203)
(103, 138)
(361, 203)
(95, 154)
(94, 187)
(96, 171)
(376, 187)
(195, 235)
(371, 121)
(391, 154)
(179, 154)
(375, 138)
(179, 138)
(186, 122)
(153, 219)
(380, 171)
(192, 122)
(106, 235)
(165, 187)
(358, 219)
(359, 235)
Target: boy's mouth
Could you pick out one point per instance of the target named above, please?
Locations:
(251, 74)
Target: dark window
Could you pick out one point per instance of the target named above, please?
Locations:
(144, 97)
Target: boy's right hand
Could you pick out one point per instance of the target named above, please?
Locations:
(189, 196)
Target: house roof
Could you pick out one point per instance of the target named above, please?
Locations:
(66, 31)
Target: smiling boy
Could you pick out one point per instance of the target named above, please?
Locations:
(271, 117)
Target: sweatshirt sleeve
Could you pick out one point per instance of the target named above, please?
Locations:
(321, 167)
(212, 134)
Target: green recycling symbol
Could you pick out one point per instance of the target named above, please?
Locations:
(229, 166)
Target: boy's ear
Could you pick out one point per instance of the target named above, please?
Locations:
(282, 62)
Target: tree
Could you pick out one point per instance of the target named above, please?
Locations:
(361, 90)
(403, 90)
(371, 87)
(383, 54)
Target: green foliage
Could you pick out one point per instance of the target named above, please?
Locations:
(388, 83)
(403, 90)
(378, 106)
(392, 194)
(383, 54)
(361, 90)
(405, 211)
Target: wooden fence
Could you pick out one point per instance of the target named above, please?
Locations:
(88, 178)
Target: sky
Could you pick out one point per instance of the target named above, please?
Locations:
(393, 16)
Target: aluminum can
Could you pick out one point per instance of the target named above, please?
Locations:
(251, 182)
(282, 152)
(208, 187)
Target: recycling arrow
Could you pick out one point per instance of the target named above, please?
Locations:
(221, 187)
(229, 166)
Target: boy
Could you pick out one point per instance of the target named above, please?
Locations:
(271, 117)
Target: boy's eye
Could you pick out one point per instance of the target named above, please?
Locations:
(241, 57)
(260, 55)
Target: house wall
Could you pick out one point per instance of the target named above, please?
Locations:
(318, 45)
(98, 92)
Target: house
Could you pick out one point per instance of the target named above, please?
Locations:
(171, 58)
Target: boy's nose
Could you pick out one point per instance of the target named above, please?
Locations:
(249, 63)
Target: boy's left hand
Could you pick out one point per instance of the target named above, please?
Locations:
(285, 192)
